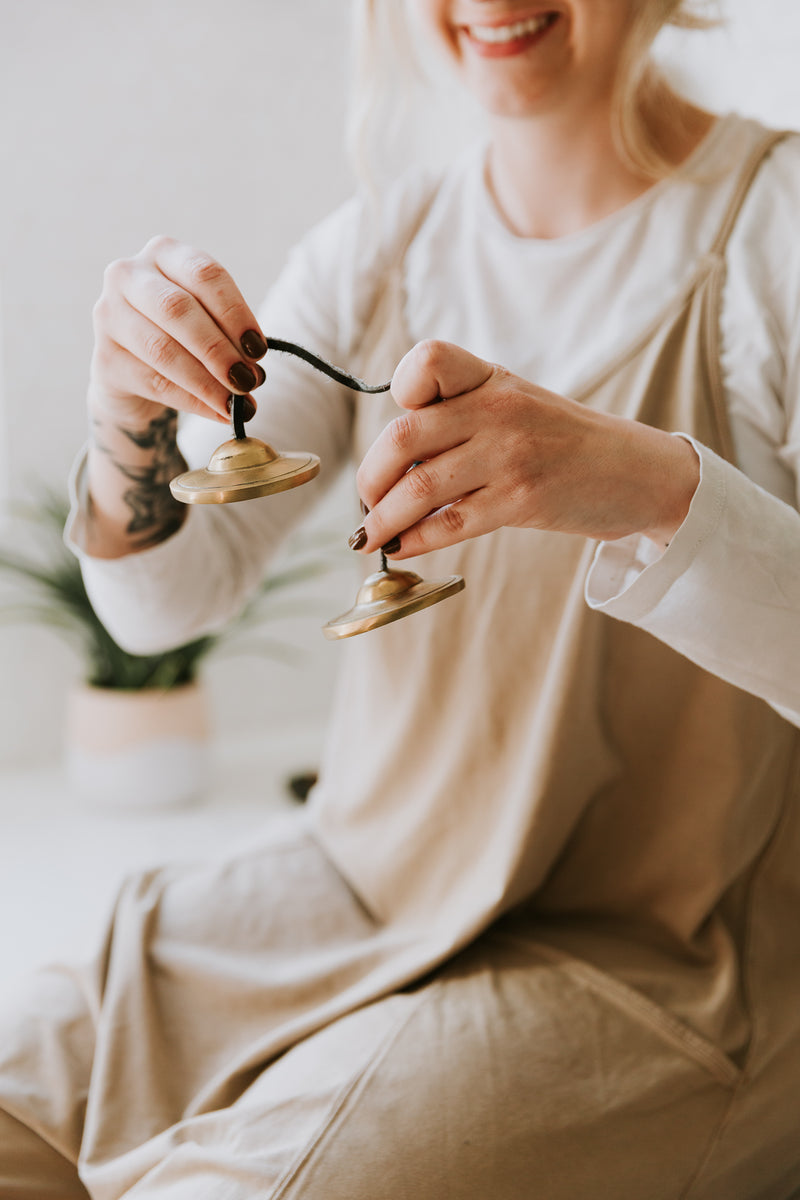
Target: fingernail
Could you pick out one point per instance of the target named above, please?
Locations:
(364, 509)
(392, 546)
(242, 377)
(358, 540)
(261, 374)
(253, 344)
(248, 408)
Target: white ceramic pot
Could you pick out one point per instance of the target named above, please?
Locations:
(138, 749)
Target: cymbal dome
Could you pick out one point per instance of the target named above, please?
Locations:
(239, 453)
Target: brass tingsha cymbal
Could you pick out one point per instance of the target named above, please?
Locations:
(387, 596)
(245, 468)
(242, 469)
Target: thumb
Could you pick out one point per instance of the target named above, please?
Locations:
(434, 371)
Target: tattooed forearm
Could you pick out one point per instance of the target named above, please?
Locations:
(159, 436)
(154, 513)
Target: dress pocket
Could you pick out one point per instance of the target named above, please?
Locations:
(669, 1028)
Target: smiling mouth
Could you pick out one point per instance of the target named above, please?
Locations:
(515, 31)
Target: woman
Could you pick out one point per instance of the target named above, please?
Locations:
(539, 937)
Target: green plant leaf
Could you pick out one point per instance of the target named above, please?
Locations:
(49, 591)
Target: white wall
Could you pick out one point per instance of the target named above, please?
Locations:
(748, 64)
(218, 123)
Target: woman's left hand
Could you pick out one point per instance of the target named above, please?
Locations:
(478, 448)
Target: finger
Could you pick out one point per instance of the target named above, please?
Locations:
(184, 322)
(414, 437)
(469, 517)
(167, 362)
(434, 370)
(208, 281)
(133, 377)
(426, 488)
(179, 313)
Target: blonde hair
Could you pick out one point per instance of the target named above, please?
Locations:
(382, 77)
(386, 71)
(641, 89)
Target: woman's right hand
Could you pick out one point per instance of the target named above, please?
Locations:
(171, 331)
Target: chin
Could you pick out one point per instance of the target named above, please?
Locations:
(500, 95)
(497, 103)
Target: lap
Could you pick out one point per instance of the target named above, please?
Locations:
(508, 1077)
(501, 1073)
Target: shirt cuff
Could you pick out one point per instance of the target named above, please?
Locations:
(75, 527)
(629, 577)
(124, 590)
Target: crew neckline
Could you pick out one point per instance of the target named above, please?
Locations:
(704, 150)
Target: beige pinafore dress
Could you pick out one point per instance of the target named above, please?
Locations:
(538, 939)
(624, 806)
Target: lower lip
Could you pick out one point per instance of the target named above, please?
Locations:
(507, 49)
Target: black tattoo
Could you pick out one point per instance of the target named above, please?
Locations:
(156, 513)
(159, 435)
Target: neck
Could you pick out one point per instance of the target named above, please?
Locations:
(552, 175)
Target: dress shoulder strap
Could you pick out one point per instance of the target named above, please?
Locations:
(747, 175)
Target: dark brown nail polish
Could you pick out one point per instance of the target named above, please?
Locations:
(358, 540)
(242, 377)
(261, 374)
(392, 546)
(248, 408)
(253, 344)
(364, 509)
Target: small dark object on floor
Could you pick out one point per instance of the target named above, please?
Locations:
(300, 785)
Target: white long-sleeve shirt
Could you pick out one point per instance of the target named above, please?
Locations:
(726, 592)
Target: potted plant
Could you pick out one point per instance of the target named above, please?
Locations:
(137, 725)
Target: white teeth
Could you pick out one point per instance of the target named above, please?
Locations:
(496, 34)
